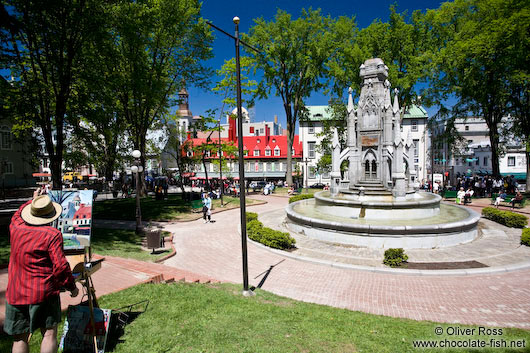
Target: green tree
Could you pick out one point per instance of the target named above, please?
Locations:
(293, 55)
(480, 52)
(43, 50)
(160, 44)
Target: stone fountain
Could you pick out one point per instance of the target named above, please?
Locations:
(375, 204)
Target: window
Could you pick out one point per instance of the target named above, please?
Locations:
(273, 140)
(261, 131)
(261, 165)
(252, 129)
(311, 174)
(325, 174)
(414, 125)
(284, 167)
(511, 161)
(311, 149)
(245, 153)
(311, 129)
(258, 140)
(269, 167)
(189, 153)
(256, 153)
(277, 151)
(8, 168)
(467, 127)
(207, 153)
(5, 138)
(477, 162)
(416, 143)
(268, 152)
(274, 166)
(485, 161)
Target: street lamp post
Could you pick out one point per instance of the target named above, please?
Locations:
(137, 169)
(242, 206)
(306, 172)
(221, 183)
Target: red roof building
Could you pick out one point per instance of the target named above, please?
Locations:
(265, 156)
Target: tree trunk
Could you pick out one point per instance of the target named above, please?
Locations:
(205, 172)
(494, 143)
(290, 134)
(527, 192)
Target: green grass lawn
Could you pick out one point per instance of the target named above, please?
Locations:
(217, 318)
(174, 208)
(122, 243)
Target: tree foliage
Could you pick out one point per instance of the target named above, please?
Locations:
(293, 54)
(479, 54)
(160, 45)
(43, 53)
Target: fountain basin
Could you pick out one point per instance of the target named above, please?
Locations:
(447, 225)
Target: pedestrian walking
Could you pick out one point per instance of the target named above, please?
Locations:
(206, 208)
(38, 270)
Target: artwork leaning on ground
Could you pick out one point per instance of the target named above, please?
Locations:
(75, 221)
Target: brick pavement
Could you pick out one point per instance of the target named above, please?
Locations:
(214, 250)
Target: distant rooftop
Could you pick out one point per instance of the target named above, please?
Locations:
(321, 112)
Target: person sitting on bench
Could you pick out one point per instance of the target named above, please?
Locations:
(502, 196)
(468, 196)
(517, 199)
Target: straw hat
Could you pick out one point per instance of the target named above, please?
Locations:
(41, 211)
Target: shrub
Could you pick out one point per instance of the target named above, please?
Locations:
(509, 219)
(300, 197)
(395, 257)
(525, 237)
(269, 237)
(251, 216)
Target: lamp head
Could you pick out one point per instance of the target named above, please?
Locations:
(236, 20)
(140, 169)
(136, 154)
(134, 169)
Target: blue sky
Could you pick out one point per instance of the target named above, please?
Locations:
(221, 13)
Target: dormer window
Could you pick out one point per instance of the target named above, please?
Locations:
(258, 141)
(277, 151)
(273, 140)
(245, 153)
(256, 153)
(267, 151)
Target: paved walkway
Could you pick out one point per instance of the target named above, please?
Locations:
(214, 250)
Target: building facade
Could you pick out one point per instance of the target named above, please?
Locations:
(414, 124)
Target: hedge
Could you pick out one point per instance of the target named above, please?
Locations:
(267, 236)
(509, 219)
(525, 237)
(300, 197)
(395, 257)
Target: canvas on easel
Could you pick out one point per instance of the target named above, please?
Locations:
(75, 222)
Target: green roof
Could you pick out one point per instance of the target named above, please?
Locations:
(415, 112)
(320, 112)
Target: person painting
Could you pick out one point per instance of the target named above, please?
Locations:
(38, 270)
(206, 208)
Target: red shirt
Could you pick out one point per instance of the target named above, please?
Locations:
(37, 266)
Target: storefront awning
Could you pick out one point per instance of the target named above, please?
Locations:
(42, 175)
(518, 176)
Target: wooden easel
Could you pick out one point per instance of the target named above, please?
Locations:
(80, 263)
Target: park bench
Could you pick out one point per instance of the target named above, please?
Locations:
(507, 201)
(450, 194)
(196, 205)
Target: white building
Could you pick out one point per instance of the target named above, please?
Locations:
(414, 123)
(473, 155)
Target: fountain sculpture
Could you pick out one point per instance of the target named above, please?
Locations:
(375, 204)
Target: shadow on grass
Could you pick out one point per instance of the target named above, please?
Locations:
(156, 210)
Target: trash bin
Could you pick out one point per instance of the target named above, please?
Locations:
(154, 241)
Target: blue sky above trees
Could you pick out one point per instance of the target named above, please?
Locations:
(221, 13)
